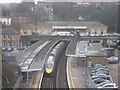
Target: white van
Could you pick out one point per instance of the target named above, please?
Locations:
(64, 34)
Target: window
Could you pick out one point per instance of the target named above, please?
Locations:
(3, 43)
(25, 31)
(8, 37)
(8, 23)
(109, 86)
(20, 20)
(101, 31)
(20, 17)
(13, 37)
(89, 32)
(8, 44)
(4, 23)
(3, 37)
(95, 32)
(13, 43)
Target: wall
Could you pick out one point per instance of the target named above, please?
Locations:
(97, 60)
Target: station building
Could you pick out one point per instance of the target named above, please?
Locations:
(48, 27)
(90, 27)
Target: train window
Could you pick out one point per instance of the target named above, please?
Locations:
(50, 65)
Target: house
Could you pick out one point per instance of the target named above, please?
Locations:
(10, 37)
(28, 30)
(6, 21)
(20, 17)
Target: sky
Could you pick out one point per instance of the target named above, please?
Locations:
(10, 1)
(18, 1)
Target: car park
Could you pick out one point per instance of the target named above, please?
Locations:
(101, 77)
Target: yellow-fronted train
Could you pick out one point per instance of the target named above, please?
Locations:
(52, 60)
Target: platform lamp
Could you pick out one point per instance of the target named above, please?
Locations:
(119, 17)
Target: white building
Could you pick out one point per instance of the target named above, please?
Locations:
(6, 21)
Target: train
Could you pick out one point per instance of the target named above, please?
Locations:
(51, 62)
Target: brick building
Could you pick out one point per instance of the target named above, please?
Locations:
(20, 17)
(10, 37)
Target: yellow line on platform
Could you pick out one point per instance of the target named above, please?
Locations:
(70, 75)
(37, 82)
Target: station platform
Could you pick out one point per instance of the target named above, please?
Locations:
(75, 74)
(35, 77)
(76, 69)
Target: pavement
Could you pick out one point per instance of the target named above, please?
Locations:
(113, 69)
(71, 47)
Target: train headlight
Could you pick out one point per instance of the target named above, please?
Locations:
(48, 70)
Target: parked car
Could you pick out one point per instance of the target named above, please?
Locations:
(104, 69)
(108, 85)
(103, 83)
(101, 76)
(111, 43)
(98, 80)
(96, 66)
(101, 72)
(112, 60)
(9, 49)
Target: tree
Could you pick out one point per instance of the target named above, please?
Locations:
(23, 8)
(5, 12)
(63, 10)
(17, 26)
(39, 15)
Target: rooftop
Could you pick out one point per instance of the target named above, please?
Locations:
(27, 0)
(21, 14)
(75, 23)
(29, 27)
(10, 31)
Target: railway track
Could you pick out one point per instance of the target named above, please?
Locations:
(60, 73)
(61, 77)
(48, 82)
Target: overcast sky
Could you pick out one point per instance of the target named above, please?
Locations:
(18, 1)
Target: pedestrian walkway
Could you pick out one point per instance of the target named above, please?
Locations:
(75, 74)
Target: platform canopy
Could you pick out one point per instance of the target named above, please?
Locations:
(69, 27)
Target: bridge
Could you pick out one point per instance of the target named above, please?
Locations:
(48, 37)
